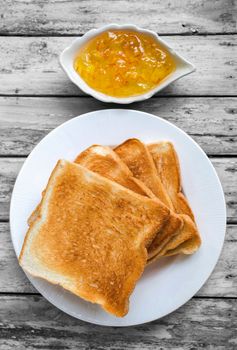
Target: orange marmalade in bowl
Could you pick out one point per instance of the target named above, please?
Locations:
(123, 63)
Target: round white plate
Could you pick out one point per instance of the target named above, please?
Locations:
(168, 283)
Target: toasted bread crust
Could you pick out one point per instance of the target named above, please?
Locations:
(187, 241)
(104, 161)
(167, 164)
(91, 236)
(171, 228)
(182, 207)
(138, 159)
(174, 237)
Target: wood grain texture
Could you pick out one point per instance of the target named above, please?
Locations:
(32, 35)
(76, 17)
(30, 66)
(12, 277)
(30, 322)
(226, 169)
(222, 283)
(210, 121)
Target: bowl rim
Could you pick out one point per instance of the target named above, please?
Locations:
(183, 66)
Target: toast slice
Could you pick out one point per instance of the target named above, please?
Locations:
(90, 236)
(166, 162)
(167, 165)
(136, 156)
(187, 241)
(104, 161)
(139, 160)
(169, 231)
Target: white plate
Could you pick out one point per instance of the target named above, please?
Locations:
(165, 285)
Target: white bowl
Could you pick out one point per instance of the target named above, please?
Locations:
(183, 67)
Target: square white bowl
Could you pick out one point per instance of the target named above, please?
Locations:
(183, 67)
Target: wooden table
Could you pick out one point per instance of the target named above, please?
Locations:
(36, 96)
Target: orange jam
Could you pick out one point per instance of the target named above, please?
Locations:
(123, 63)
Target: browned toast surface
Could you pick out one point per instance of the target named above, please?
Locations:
(139, 160)
(171, 228)
(106, 162)
(188, 240)
(174, 237)
(167, 165)
(91, 236)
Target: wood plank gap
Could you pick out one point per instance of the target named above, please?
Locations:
(228, 222)
(212, 156)
(19, 294)
(38, 294)
(213, 297)
(14, 156)
(88, 96)
(56, 35)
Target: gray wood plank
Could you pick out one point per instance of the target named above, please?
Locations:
(30, 66)
(222, 283)
(30, 322)
(12, 277)
(226, 168)
(76, 17)
(210, 121)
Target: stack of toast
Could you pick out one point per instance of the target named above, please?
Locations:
(105, 216)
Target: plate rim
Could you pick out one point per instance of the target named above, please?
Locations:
(139, 114)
